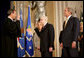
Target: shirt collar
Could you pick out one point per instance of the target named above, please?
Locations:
(69, 17)
(45, 23)
(10, 18)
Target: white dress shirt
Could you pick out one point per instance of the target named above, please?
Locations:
(68, 18)
(10, 18)
(45, 23)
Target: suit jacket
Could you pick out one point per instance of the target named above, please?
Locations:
(9, 41)
(46, 37)
(70, 32)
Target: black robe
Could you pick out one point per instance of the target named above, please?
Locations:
(46, 39)
(9, 41)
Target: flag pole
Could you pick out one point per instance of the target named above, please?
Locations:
(24, 25)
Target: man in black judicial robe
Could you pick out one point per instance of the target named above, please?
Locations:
(11, 32)
(69, 35)
(46, 35)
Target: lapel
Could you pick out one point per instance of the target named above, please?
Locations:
(68, 22)
(44, 27)
(10, 20)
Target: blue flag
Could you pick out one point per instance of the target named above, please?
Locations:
(21, 22)
(21, 47)
(21, 40)
(29, 42)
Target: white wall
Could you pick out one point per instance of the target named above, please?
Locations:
(76, 5)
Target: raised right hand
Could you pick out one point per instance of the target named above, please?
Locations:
(61, 45)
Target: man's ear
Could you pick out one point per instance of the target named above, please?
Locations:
(70, 12)
(12, 13)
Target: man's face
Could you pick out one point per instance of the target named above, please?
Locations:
(14, 14)
(42, 20)
(66, 12)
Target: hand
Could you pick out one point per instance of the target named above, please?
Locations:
(38, 48)
(73, 44)
(39, 26)
(18, 17)
(36, 25)
(50, 49)
(61, 45)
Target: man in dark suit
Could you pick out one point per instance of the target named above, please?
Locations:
(69, 35)
(46, 35)
(11, 32)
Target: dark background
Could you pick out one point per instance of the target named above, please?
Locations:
(4, 7)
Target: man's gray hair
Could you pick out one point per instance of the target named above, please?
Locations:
(44, 17)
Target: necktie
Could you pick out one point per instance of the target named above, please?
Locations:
(65, 23)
